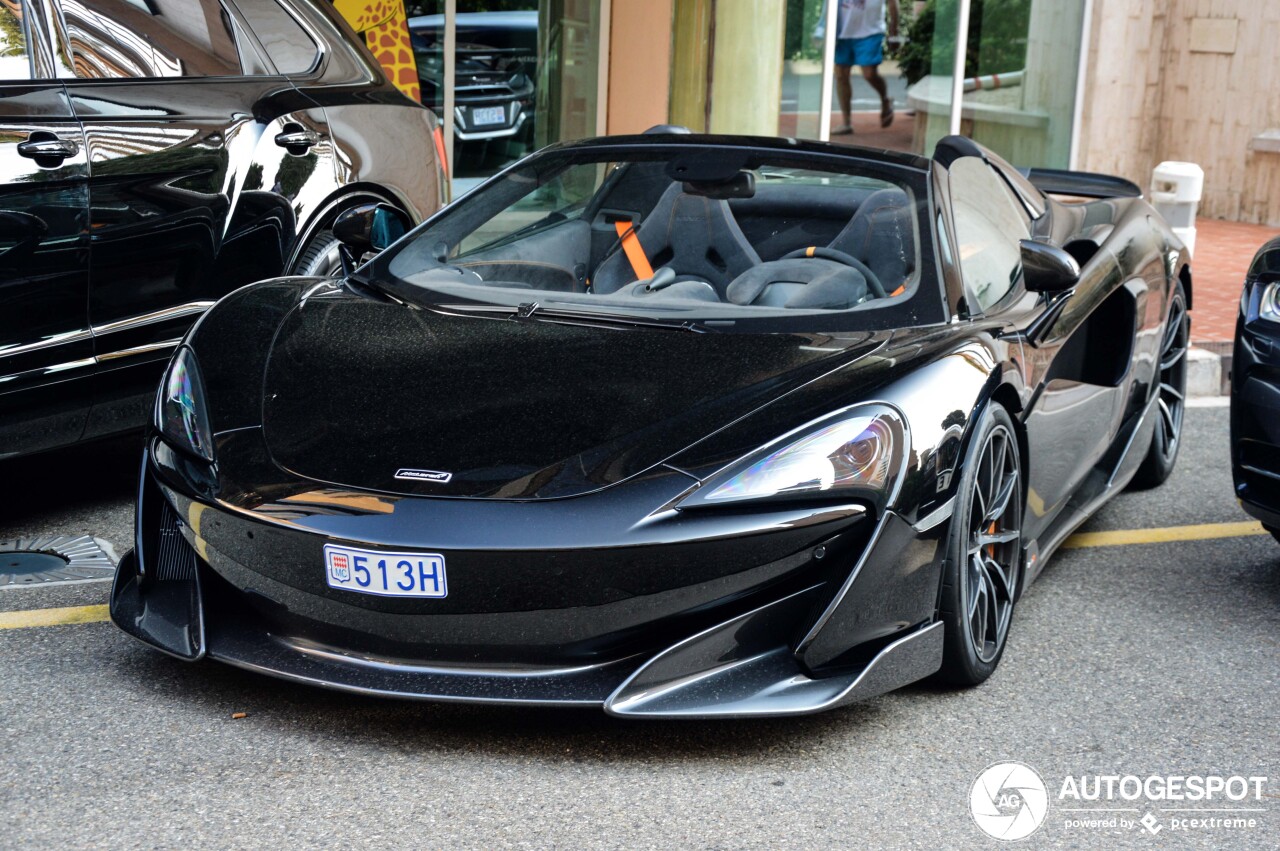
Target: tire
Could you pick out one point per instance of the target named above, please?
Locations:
(1275, 533)
(1166, 439)
(984, 552)
(320, 257)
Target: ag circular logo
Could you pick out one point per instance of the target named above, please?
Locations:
(1009, 801)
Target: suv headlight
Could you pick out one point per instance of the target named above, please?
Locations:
(855, 452)
(1269, 304)
(180, 412)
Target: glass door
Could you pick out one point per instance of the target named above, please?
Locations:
(875, 73)
(506, 76)
(805, 74)
(1020, 78)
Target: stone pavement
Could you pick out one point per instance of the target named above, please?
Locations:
(1223, 252)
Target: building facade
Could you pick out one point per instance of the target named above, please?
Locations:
(1114, 86)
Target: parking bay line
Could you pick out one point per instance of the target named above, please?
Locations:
(1163, 535)
(53, 617)
(1081, 540)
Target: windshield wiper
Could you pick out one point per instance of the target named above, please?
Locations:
(532, 311)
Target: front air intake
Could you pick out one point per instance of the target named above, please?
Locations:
(175, 559)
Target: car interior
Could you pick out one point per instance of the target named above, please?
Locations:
(697, 228)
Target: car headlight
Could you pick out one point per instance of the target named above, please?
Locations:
(1269, 305)
(856, 452)
(180, 412)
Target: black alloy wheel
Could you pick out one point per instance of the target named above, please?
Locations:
(984, 565)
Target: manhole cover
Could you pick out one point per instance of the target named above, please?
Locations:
(54, 561)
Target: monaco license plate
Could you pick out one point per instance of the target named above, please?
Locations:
(486, 115)
(385, 574)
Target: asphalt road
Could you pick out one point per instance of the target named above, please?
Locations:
(1157, 659)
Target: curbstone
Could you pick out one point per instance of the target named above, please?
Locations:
(1204, 373)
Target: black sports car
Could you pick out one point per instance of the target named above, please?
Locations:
(675, 425)
(1255, 391)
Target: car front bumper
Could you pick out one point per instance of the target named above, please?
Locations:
(732, 642)
(1255, 417)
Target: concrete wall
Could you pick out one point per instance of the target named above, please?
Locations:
(726, 74)
(746, 77)
(1187, 80)
(639, 64)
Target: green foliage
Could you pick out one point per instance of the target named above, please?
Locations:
(997, 39)
(12, 41)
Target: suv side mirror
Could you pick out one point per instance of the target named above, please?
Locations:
(1047, 268)
(368, 228)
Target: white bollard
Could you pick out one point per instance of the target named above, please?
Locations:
(1176, 190)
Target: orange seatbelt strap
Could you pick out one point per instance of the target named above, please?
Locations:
(634, 250)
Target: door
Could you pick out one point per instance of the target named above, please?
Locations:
(46, 347)
(199, 152)
(989, 221)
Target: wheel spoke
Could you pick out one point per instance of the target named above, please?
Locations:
(1171, 390)
(980, 627)
(1173, 330)
(1168, 361)
(975, 583)
(986, 475)
(979, 510)
(1001, 504)
(1005, 537)
(1166, 417)
(994, 609)
(1001, 586)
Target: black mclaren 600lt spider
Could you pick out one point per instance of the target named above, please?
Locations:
(669, 424)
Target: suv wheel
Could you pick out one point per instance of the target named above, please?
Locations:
(320, 258)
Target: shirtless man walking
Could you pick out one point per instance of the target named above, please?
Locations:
(860, 36)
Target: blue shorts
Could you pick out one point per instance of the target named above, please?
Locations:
(863, 52)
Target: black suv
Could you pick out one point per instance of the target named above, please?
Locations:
(154, 156)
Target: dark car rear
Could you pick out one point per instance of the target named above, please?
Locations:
(153, 158)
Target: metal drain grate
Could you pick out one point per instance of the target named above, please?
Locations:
(54, 560)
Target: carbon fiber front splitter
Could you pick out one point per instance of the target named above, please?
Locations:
(735, 669)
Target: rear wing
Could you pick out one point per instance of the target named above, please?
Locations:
(1083, 184)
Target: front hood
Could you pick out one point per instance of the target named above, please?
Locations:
(358, 390)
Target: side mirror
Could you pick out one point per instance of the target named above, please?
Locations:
(1047, 268)
(368, 228)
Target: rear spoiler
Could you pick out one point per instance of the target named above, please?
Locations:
(1084, 184)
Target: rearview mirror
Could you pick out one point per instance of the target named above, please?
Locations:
(369, 227)
(740, 185)
(1047, 268)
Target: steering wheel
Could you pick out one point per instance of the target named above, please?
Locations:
(873, 283)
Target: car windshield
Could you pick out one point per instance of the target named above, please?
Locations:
(693, 232)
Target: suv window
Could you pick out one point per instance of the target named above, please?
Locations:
(290, 46)
(989, 222)
(150, 38)
(15, 63)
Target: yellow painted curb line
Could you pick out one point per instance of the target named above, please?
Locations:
(53, 617)
(1201, 532)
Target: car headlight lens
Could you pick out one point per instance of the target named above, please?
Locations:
(181, 413)
(1269, 306)
(856, 451)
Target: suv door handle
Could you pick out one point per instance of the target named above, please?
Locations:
(296, 140)
(47, 149)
